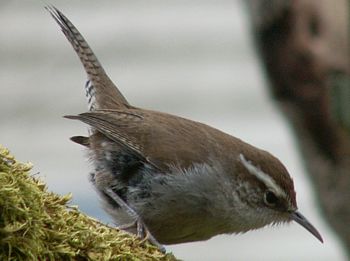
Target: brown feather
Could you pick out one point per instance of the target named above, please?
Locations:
(81, 140)
(105, 93)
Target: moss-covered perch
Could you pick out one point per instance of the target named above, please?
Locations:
(39, 225)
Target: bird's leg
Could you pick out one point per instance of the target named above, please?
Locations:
(141, 228)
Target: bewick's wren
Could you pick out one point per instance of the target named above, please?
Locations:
(174, 180)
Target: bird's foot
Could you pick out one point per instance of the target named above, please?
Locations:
(141, 229)
(144, 233)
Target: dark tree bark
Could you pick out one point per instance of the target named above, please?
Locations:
(304, 46)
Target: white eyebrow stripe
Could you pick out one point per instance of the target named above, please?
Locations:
(262, 176)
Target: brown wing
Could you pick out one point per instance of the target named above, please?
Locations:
(160, 138)
(112, 125)
(100, 90)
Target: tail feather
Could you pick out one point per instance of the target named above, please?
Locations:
(85, 141)
(100, 90)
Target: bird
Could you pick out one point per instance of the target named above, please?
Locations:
(173, 180)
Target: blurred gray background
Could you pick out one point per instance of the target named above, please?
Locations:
(193, 58)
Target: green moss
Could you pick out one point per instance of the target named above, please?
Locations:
(39, 225)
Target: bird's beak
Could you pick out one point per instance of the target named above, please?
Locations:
(300, 219)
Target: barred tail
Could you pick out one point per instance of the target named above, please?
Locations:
(100, 90)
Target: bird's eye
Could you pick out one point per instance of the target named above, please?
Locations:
(270, 198)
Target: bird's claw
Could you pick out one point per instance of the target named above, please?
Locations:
(141, 229)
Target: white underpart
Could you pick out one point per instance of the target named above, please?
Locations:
(262, 176)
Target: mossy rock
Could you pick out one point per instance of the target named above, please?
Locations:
(39, 225)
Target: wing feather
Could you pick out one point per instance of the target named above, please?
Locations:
(111, 124)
